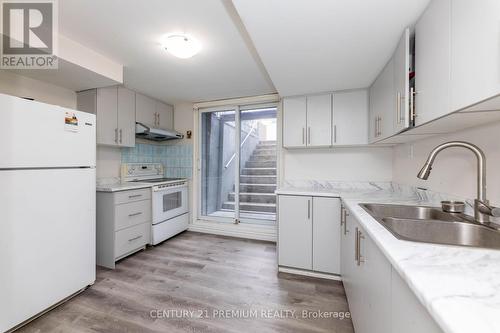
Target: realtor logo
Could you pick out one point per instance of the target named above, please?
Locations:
(29, 34)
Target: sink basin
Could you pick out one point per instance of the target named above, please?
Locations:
(431, 225)
(443, 232)
(410, 212)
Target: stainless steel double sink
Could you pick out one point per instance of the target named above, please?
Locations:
(432, 225)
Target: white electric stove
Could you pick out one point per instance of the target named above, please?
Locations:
(169, 198)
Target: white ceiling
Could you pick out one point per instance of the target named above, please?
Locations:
(129, 31)
(324, 45)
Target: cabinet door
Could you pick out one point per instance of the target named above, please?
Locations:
(387, 105)
(326, 235)
(294, 122)
(295, 231)
(475, 51)
(126, 117)
(382, 104)
(432, 62)
(350, 110)
(402, 82)
(107, 116)
(408, 315)
(319, 120)
(145, 110)
(346, 250)
(354, 278)
(165, 115)
(376, 286)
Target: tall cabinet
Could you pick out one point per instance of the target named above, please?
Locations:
(114, 108)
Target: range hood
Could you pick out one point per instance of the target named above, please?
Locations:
(155, 134)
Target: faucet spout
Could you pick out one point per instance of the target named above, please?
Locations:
(481, 174)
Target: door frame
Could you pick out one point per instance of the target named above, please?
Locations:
(220, 225)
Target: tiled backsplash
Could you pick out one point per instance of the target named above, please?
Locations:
(177, 159)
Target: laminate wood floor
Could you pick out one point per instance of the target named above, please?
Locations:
(232, 283)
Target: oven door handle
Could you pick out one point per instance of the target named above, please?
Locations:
(168, 188)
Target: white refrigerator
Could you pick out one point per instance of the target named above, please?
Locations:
(47, 206)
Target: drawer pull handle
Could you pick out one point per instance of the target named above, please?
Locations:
(135, 196)
(134, 214)
(135, 238)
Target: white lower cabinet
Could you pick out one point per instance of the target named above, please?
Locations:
(123, 224)
(309, 235)
(379, 300)
(295, 232)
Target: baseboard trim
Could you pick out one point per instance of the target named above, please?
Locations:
(258, 232)
(302, 272)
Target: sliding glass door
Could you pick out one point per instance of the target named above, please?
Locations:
(238, 164)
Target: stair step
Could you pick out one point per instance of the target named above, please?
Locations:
(258, 171)
(257, 188)
(254, 197)
(262, 158)
(264, 152)
(251, 206)
(266, 146)
(261, 164)
(258, 179)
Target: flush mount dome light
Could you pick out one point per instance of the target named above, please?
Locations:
(180, 45)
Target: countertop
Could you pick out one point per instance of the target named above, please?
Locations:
(115, 187)
(459, 286)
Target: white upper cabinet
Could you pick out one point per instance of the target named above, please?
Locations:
(107, 116)
(114, 108)
(145, 110)
(351, 117)
(126, 117)
(432, 62)
(475, 51)
(154, 113)
(402, 82)
(322, 121)
(165, 114)
(294, 122)
(319, 120)
(383, 104)
(390, 94)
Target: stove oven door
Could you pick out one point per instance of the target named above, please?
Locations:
(169, 202)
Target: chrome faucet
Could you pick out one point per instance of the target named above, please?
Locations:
(482, 209)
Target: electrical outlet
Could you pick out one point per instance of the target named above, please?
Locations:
(411, 152)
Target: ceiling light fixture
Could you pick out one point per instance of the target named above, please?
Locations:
(181, 45)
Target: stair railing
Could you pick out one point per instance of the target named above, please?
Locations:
(241, 145)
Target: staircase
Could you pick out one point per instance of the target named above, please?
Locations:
(257, 182)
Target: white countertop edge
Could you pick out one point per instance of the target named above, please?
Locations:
(122, 187)
(309, 193)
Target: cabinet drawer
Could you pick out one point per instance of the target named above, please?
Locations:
(133, 195)
(133, 213)
(130, 239)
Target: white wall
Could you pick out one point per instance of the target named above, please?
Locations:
(184, 121)
(342, 164)
(21, 86)
(109, 160)
(454, 170)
